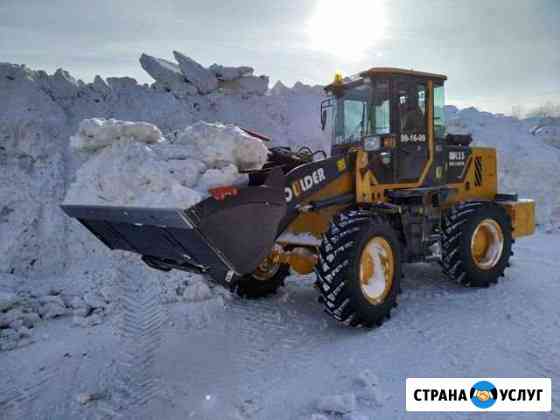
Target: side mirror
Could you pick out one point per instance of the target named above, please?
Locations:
(323, 119)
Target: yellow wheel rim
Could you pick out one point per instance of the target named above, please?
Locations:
(487, 244)
(266, 270)
(377, 268)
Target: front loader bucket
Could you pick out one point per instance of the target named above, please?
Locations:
(224, 239)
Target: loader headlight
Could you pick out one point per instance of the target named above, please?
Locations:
(372, 143)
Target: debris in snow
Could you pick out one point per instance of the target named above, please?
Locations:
(127, 171)
(339, 404)
(225, 73)
(167, 75)
(86, 397)
(203, 79)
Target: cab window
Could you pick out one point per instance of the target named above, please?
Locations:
(379, 116)
(439, 112)
(412, 107)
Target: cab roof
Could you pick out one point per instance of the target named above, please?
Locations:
(375, 71)
(385, 71)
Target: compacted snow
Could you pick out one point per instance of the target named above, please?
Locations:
(87, 333)
(282, 358)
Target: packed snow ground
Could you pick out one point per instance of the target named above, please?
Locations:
(282, 358)
(51, 267)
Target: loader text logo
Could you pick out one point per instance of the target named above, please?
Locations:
(305, 184)
(473, 394)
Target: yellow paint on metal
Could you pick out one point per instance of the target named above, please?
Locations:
(377, 269)
(467, 190)
(522, 214)
(487, 244)
(316, 223)
(300, 259)
(267, 269)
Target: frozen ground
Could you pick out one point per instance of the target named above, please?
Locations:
(281, 358)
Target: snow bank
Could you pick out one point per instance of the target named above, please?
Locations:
(135, 166)
(225, 73)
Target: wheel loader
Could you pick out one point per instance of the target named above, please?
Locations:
(396, 188)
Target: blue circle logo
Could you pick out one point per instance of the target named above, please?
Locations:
(483, 394)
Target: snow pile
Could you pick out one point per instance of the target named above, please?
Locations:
(133, 165)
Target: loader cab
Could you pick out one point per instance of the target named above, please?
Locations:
(395, 115)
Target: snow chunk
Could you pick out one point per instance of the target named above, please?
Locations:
(122, 83)
(95, 133)
(340, 404)
(167, 75)
(225, 73)
(218, 145)
(203, 79)
(133, 165)
(100, 86)
(253, 84)
(129, 173)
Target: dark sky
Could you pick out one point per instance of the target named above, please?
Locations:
(496, 53)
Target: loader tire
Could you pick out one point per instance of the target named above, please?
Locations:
(254, 286)
(359, 268)
(476, 243)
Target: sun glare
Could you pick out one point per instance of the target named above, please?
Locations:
(347, 28)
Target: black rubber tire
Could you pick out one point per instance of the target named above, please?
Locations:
(252, 288)
(339, 264)
(458, 226)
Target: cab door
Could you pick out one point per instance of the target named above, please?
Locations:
(412, 100)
